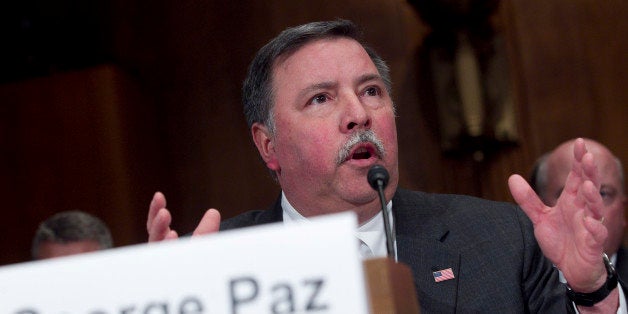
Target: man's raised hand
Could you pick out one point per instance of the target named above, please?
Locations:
(159, 219)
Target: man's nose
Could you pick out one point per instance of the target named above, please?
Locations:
(355, 115)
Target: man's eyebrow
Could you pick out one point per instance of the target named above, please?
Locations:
(330, 85)
(317, 87)
(369, 77)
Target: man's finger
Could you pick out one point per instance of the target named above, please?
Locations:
(172, 235)
(589, 169)
(598, 232)
(160, 228)
(526, 197)
(158, 202)
(594, 203)
(210, 223)
(579, 149)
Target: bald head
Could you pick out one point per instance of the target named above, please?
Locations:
(551, 172)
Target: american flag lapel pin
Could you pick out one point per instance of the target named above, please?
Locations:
(443, 274)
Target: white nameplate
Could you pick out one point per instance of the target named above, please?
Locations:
(313, 267)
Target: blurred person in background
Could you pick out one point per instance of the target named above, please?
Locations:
(69, 233)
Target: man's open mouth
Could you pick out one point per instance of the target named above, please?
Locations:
(363, 151)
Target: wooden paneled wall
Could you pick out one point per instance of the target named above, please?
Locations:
(166, 115)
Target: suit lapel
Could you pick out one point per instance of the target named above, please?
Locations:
(422, 244)
(424, 264)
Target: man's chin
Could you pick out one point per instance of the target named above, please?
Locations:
(360, 196)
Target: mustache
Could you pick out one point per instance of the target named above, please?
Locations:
(367, 136)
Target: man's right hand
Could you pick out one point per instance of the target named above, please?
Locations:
(159, 218)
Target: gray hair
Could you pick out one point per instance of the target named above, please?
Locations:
(71, 226)
(257, 90)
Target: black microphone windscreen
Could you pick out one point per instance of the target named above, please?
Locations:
(375, 174)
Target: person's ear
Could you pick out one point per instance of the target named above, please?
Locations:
(265, 145)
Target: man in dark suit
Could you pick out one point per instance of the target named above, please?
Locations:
(318, 105)
(548, 180)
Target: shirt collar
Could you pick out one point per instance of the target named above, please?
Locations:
(371, 233)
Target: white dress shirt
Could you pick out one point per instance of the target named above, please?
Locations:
(371, 235)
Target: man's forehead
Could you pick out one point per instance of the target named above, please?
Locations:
(318, 65)
(316, 51)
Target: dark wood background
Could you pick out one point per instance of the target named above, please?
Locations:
(157, 106)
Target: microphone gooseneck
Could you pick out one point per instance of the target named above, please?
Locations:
(378, 179)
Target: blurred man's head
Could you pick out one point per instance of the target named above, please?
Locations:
(69, 233)
(550, 173)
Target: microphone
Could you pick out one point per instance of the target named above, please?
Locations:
(378, 179)
(377, 175)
